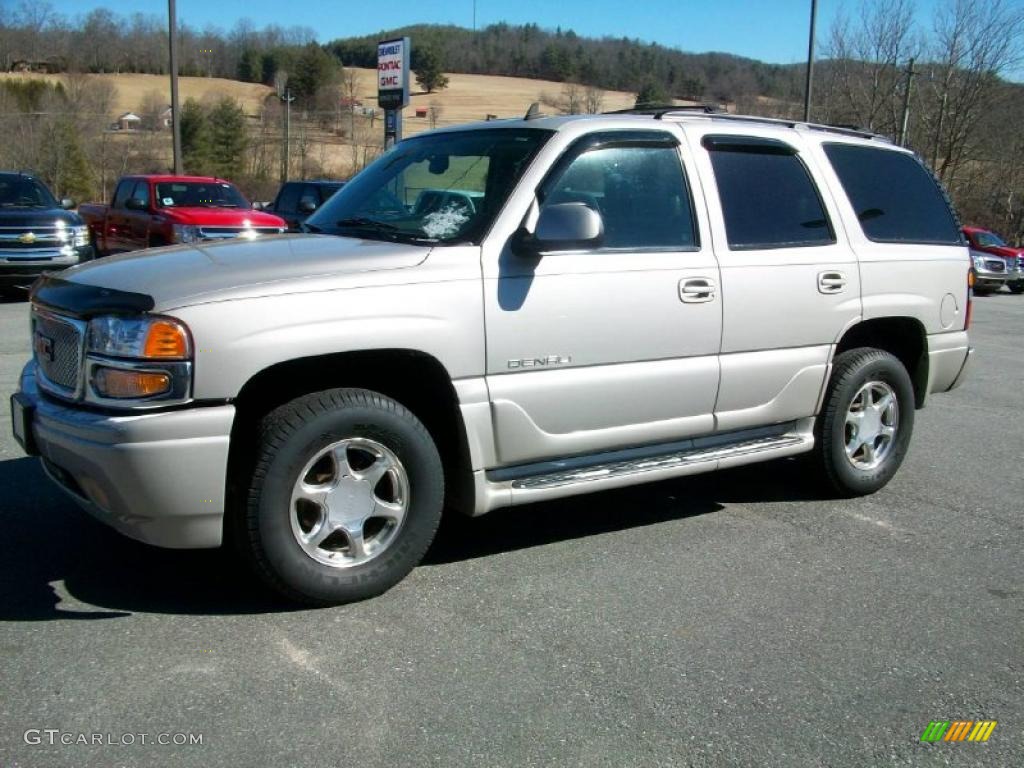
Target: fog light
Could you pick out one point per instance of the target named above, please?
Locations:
(122, 384)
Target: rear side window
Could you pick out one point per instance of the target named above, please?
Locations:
(768, 198)
(122, 193)
(142, 192)
(895, 198)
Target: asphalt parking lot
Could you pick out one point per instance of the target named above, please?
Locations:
(736, 619)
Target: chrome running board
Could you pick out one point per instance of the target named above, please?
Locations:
(638, 466)
(558, 478)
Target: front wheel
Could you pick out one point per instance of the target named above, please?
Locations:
(865, 426)
(345, 498)
(1016, 287)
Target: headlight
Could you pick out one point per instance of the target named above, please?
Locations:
(76, 235)
(142, 338)
(186, 233)
(979, 263)
(138, 361)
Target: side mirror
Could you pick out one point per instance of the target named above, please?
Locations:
(258, 206)
(135, 204)
(306, 207)
(67, 203)
(562, 227)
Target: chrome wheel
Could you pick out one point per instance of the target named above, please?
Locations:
(349, 502)
(871, 423)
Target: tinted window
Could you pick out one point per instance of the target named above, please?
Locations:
(288, 198)
(640, 192)
(24, 192)
(141, 192)
(310, 195)
(768, 198)
(896, 199)
(326, 190)
(122, 193)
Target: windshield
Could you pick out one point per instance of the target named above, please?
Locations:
(989, 240)
(435, 188)
(199, 194)
(24, 192)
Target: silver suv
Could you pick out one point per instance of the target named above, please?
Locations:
(499, 314)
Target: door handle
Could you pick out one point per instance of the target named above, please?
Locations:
(696, 290)
(831, 282)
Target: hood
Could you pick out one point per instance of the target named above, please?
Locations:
(37, 217)
(187, 274)
(1005, 251)
(222, 217)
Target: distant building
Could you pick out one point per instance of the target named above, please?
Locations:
(129, 121)
(165, 118)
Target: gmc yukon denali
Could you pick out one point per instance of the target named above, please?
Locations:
(493, 315)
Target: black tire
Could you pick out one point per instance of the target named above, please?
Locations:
(1017, 288)
(288, 438)
(850, 372)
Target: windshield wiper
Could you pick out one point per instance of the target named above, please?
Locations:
(363, 221)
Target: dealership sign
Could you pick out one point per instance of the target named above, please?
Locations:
(393, 73)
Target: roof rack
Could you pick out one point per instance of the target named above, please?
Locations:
(845, 130)
(657, 111)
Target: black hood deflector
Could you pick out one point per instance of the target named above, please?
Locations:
(83, 300)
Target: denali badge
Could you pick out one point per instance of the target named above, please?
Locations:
(44, 347)
(540, 362)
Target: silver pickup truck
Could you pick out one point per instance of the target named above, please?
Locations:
(606, 300)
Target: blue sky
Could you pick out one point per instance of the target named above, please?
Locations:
(770, 30)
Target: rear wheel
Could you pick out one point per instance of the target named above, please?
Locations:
(865, 427)
(345, 498)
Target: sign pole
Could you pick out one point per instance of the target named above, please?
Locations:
(393, 85)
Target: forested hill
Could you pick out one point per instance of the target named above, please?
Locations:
(612, 63)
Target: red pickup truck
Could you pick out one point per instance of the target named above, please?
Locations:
(987, 242)
(150, 211)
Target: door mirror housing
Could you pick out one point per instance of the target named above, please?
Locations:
(67, 203)
(135, 204)
(562, 227)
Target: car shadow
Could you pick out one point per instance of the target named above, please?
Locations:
(57, 563)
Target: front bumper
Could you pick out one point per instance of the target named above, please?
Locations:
(19, 270)
(156, 477)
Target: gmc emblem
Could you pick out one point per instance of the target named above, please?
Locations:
(44, 347)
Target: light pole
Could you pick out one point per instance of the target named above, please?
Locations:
(810, 63)
(905, 120)
(286, 150)
(172, 28)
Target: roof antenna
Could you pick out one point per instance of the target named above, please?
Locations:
(533, 112)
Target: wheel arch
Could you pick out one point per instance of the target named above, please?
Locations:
(417, 380)
(903, 337)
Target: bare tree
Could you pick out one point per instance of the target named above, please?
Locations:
(593, 100)
(434, 113)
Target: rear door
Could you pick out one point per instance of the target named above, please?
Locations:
(118, 226)
(790, 281)
(606, 348)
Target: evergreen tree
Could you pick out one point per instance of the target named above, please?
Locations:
(651, 92)
(250, 66)
(313, 68)
(195, 137)
(429, 75)
(227, 138)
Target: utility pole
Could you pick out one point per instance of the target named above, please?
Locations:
(286, 148)
(905, 120)
(810, 63)
(172, 28)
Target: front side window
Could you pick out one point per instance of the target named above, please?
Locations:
(443, 187)
(895, 198)
(199, 194)
(768, 197)
(288, 199)
(640, 192)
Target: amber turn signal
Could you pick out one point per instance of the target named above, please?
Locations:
(122, 384)
(166, 339)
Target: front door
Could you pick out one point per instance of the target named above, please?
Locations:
(617, 346)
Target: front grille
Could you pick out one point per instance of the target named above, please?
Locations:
(57, 349)
(29, 238)
(226, 233)
(995, 265)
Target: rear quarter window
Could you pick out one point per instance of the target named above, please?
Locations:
(895, 197)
